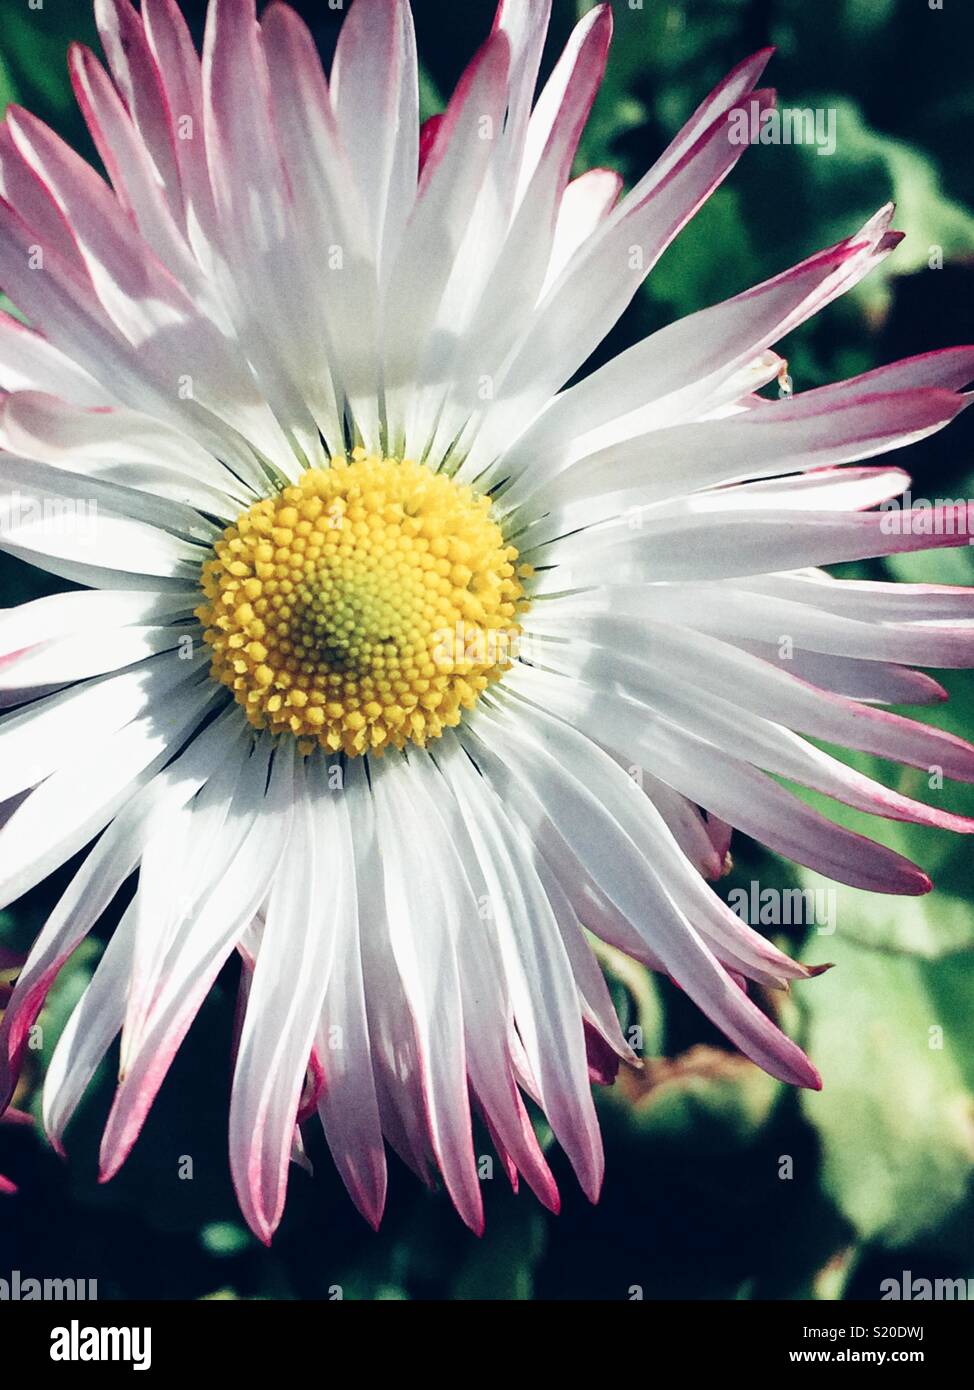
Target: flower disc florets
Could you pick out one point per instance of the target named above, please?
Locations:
(364, 606)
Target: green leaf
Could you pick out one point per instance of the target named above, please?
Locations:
(947, 566)
(819, 198)
(706, 1096)
(431, 102)
(225, 1238)
(502, 1266)
(34, 42)
(936, 924)
(864, 17)
(713, 252)
(661, 64)
(894, 1117)
(636, 997)
(8, 87)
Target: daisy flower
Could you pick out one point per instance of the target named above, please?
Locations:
(397, 662)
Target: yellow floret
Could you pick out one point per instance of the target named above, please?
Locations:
(366, 605)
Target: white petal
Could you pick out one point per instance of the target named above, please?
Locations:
(425, 953)
(245, 860)
(79, 799)
(89, 1032)
(538, 973)
(284, 1007)
(347, 1105)
(49, 733)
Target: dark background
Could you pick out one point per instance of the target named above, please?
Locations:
(720, 1182)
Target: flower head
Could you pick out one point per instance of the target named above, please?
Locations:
(379, 614)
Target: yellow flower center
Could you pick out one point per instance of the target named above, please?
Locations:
(366, 605)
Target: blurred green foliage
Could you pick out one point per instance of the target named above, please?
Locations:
(720, 1182)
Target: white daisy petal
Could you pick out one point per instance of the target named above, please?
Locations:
(572, 320)
(94, 886)
(246, 857)
(648, 657)
(36, 741)
(89, 1032)
(23, 190)
(427, 965)
(203, 844)
(815, 429)
(928, 625)
(671, 375)
(483, 985)
(585, 203)
(256, 226)
(80, 798)
(151, 198)
(736, 945)
(53, 664)
(131, 299)
(540, 980)
(375, 96)
(596, 1002)
(731, 543)
(392, 1035)
(177, 62)
(121, 446)
(28, 362)
(615, 859)
(526, 27)
(762, 745)
(342, 290)
(876, 682)
(142, 88)
(501, 266)
(87, 529)
(283, 1010)
(87, 611)
(452, 177)
(347, 1104)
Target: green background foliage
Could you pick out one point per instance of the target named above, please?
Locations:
(720, 1182)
